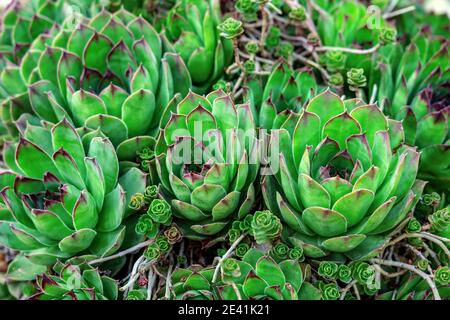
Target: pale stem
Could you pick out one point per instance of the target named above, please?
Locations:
(264, 27)
(168, 282)
(239, 81)
(236, 290)
(355, 288)
(425, 235)
(133, 276)
(420, 255)
(349, 50)
(411, 268)
(151, 283)
(399, 12)
(316, 7)
(238, 94)
(237, 59)
(345, 290)
(391, 6)
(374, 94)
(122, 253)
(257, 58)
(314, 65)
(432, 254)
(388, 274)
(225, 256)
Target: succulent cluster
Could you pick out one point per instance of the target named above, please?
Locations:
(224, 150)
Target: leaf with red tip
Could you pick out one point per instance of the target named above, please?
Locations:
(33, 161)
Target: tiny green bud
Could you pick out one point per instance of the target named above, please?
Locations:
(230, 28)
(422, 264)
(356, 78)
(298, 14)
(285, 50)
(160, 211)
(328, 270)
(433, 199)
(146, 153)
(330, 291)
(442, 276)
(230, 269)
(242, 249)
(252, 47)
(265, 227)
(152, 253)
(388, 35)
(344, 273)
(296, 254)
(233, 235)
(335, 60)
(279, 251)
(413, 226)
(137, 201)
(163, 244)
(222, 84)
(440, 220)
(363, 272)
(336, 80)
(181, 259)
(146, 226)
(273, 37)
(150, 193)
(249, 66)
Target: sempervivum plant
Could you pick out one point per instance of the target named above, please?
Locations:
(343, 23)
(426, 124)
(440, 222)
(412, 86)
(62, 196)
(75, 282)
(110, 72)
(193, 283)
(338, 184)
(255, 276)
(284, 91)
(21, 24)
(207, 160)
(401, 73)
(192, 26)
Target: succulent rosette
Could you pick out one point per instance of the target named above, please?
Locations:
(412, 87)
(111, 72)
(440, 222)
(193, 27)
(265, 227)
(339, 180)
(75, 282)
(62, 195)
(207, 160)
(193, 283)
(283, 92)
(426, 125)
(347, 22)
(255, 276)
(352, 24)
(21, 23)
